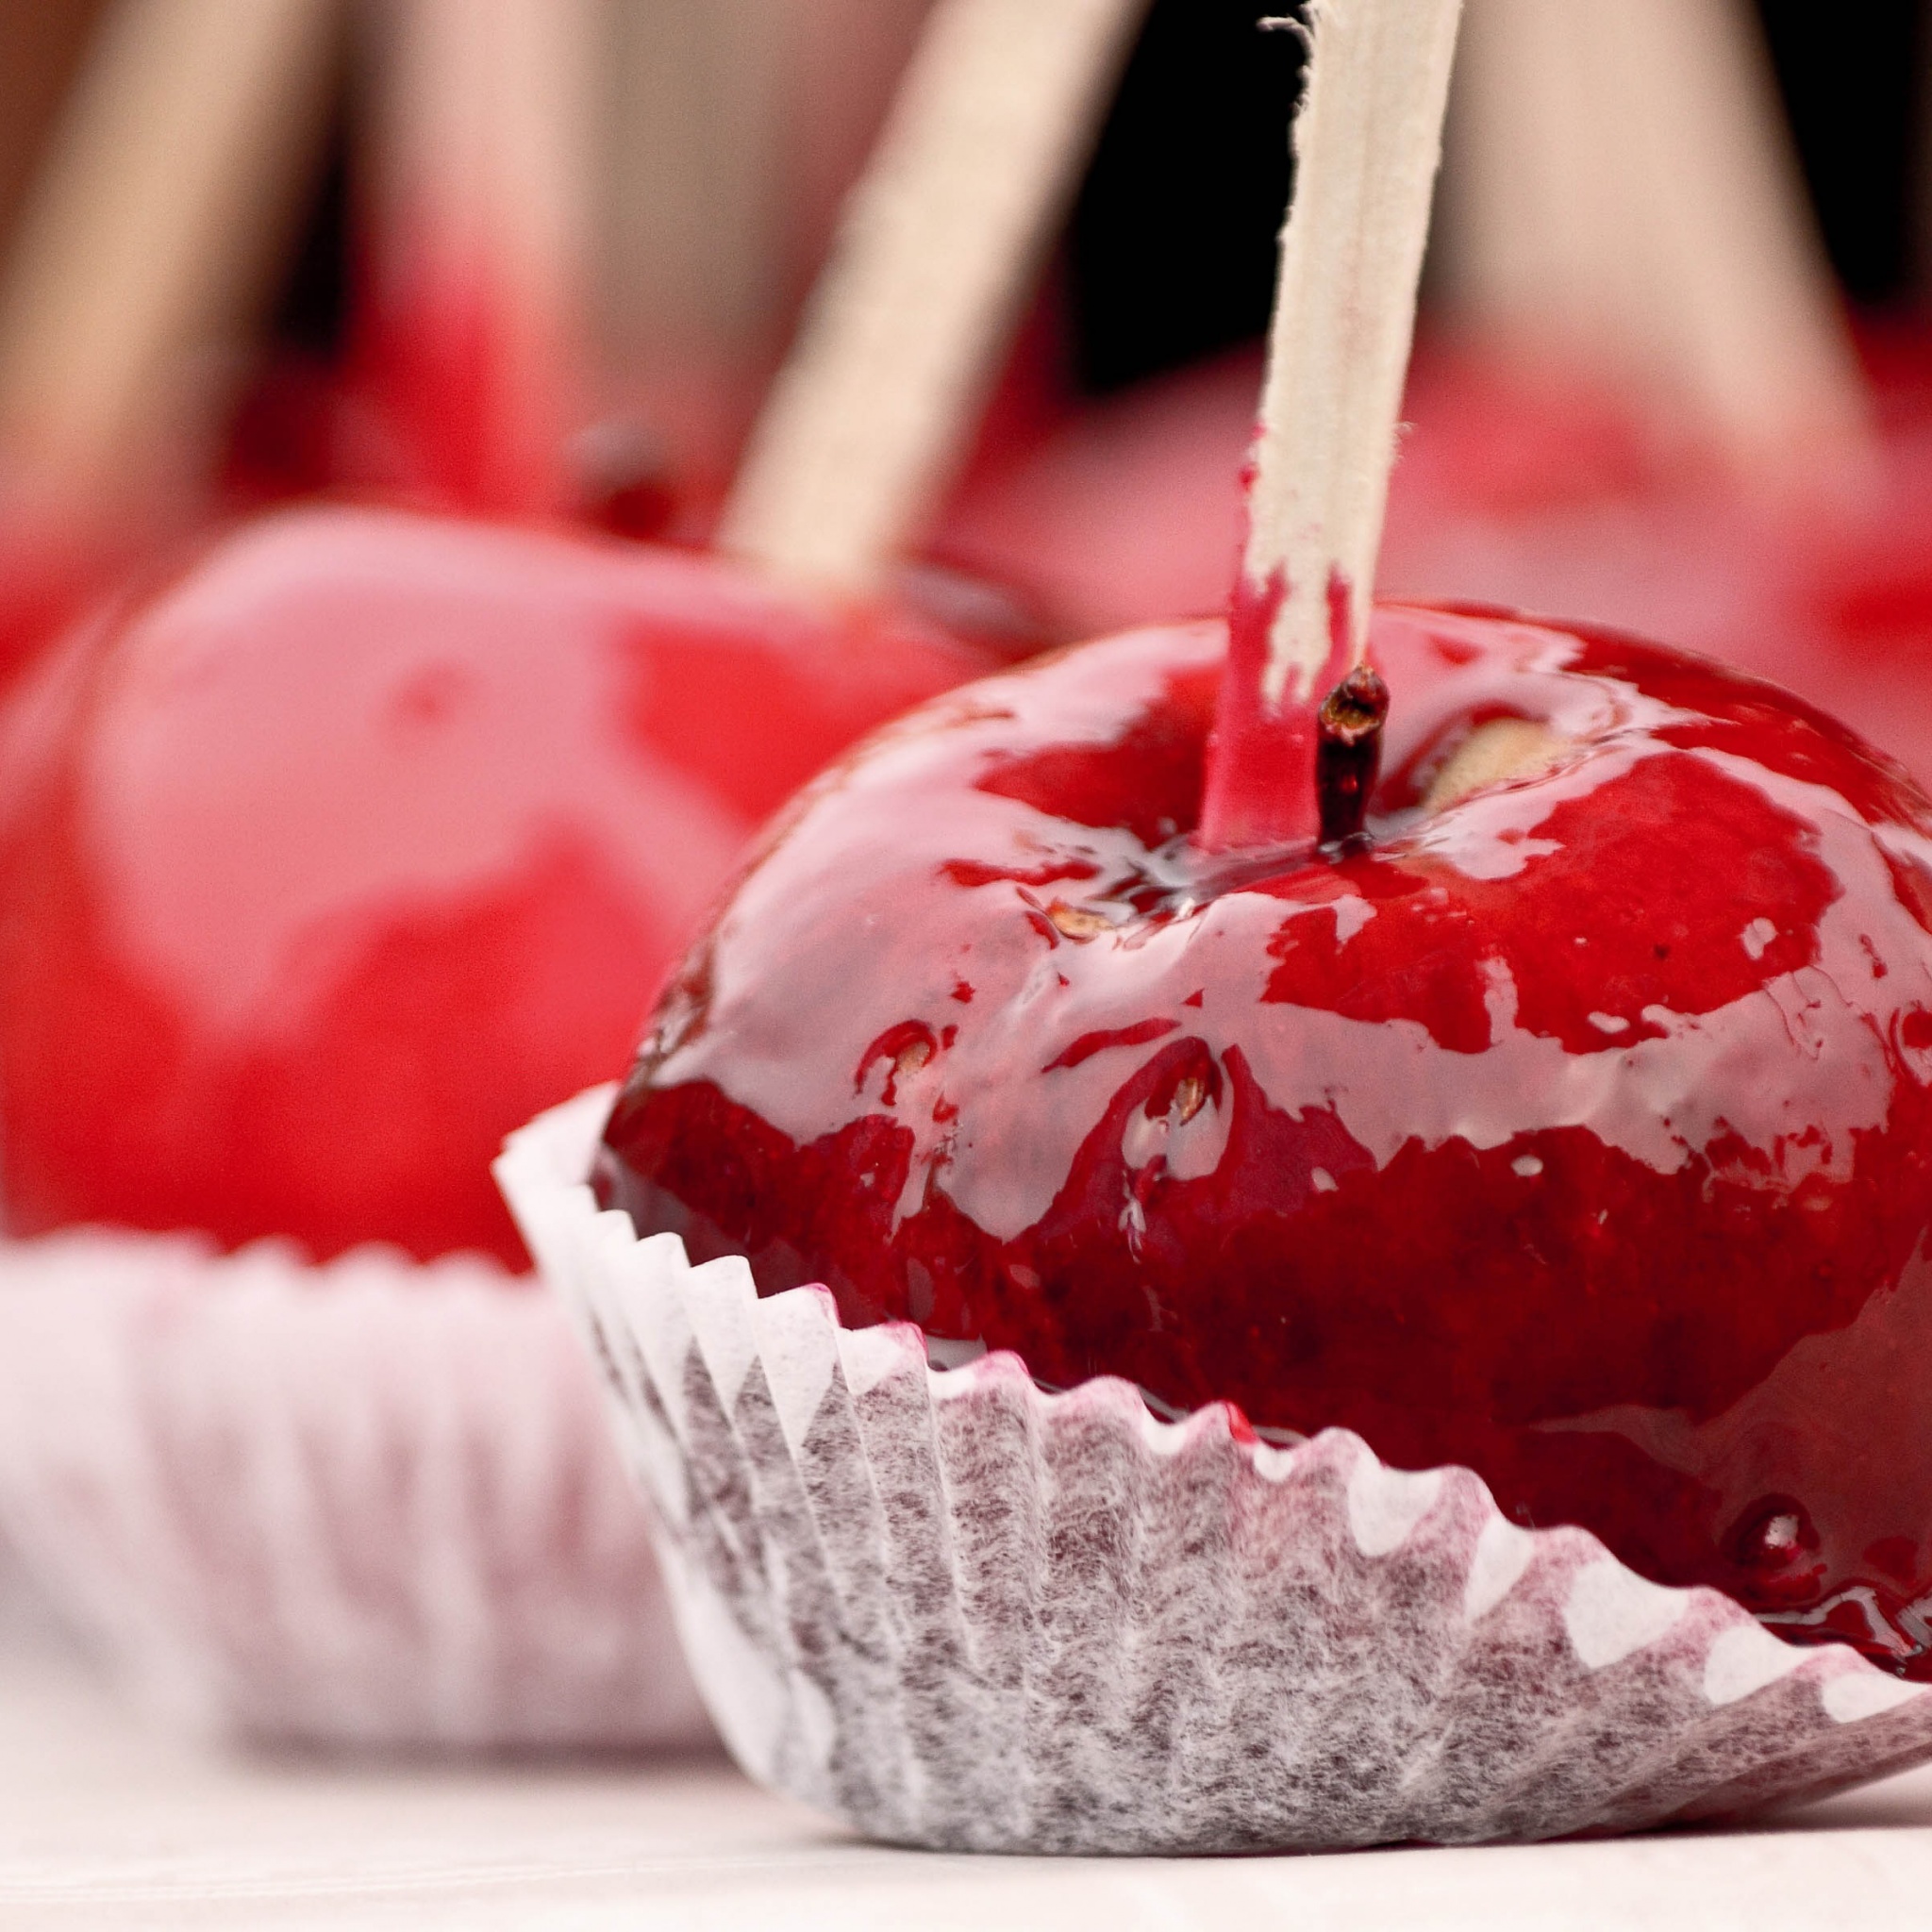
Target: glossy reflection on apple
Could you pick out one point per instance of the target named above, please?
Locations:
(1573, 1123)
(326, 865)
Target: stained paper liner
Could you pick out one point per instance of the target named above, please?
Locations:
(954, 1610)
(366, 1504)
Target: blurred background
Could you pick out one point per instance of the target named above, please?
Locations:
(532, 266)
(719, 137)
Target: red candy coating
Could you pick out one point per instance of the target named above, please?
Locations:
(1578, 1131)
(365, 837)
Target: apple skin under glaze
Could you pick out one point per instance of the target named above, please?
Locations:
(1578, 1131)
(326, 865)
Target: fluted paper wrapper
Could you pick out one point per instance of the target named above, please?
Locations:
(954, 1610)
(366, 1504)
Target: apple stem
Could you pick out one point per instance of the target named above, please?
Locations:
(1348, 752)
(1368, 140)
(936, 250)
(1621, 186)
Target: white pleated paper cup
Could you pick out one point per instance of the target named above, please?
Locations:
(372, 1504)
(954, 1610)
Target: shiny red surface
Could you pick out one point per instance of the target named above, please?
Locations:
(1580, 1132)
(369, 835)
(1259, 787)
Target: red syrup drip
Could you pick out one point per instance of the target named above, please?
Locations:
(1579, 1132)
(1260, 783)
(471, 377)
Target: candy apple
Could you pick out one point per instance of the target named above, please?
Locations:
(325, 864)
(1571, 1120)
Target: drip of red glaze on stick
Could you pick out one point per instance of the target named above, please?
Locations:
(473, 332)
(868, 422)
(1368, 141)
(1262, 765)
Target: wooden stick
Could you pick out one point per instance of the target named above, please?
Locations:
(1621, 186)
(1368, 140)
(693, 177)
(41, 42)
(844, 60)
(741, 128)
(934, 253)
(166, 196)
(483, 210)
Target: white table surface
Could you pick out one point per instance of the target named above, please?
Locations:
(107, 1821)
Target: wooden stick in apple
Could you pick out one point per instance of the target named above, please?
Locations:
(1367, 139)
(739, 128)
(476, 326)
(1621, 186)
(690, 182)
(170, 182)
(41, 45)
(936, 250)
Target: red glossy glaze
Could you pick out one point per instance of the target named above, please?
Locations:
(1580, 1132)
(370, 834)
(1260, 782)
(470, 348)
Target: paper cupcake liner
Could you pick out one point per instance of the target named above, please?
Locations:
(366, 1504)
(955, 1611)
